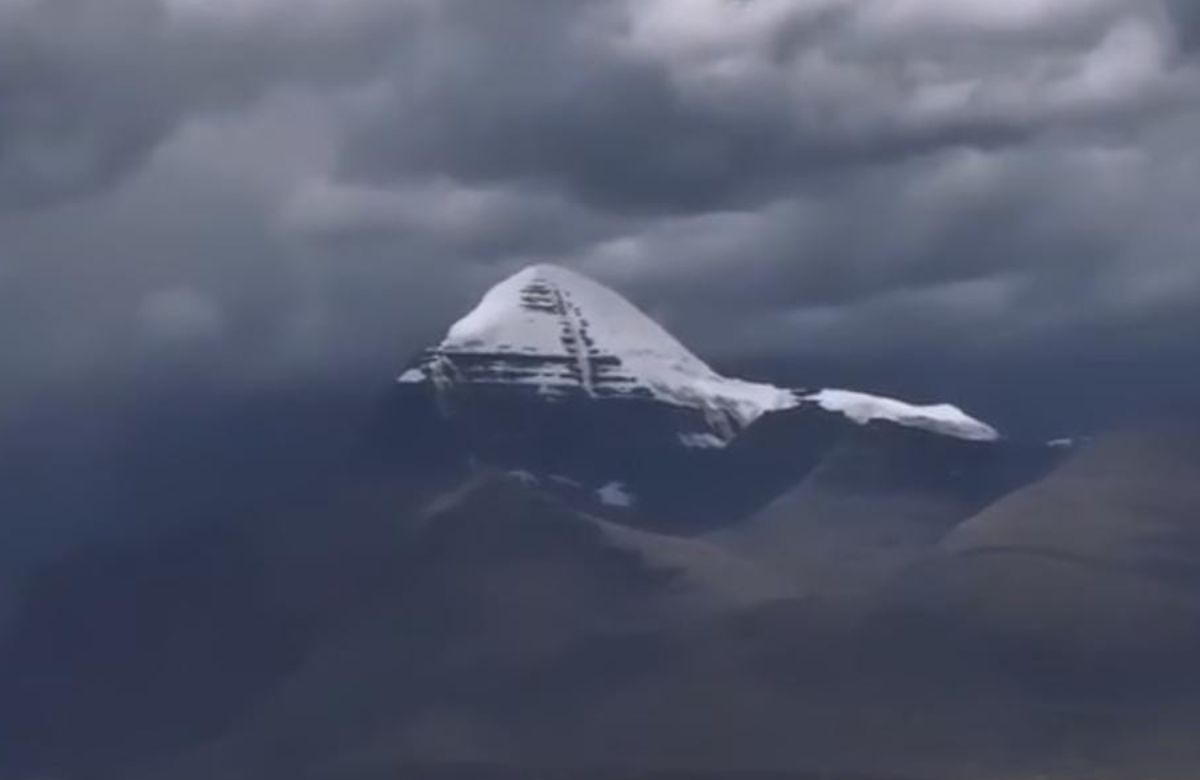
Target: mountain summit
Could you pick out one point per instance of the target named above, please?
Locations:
(558, 334)
(561, 334)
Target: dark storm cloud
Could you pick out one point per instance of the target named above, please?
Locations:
(327, 182)
(1185, 15)
(609, 103)
(88, 90)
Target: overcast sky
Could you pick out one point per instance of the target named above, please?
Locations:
(279, 187)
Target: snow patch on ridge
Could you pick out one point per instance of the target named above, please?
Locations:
(701, 441)
(939, 418)
(615, 494)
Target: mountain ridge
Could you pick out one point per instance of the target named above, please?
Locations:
(558, 375)
(560, 333)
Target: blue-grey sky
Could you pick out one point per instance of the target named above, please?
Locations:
(279, 187)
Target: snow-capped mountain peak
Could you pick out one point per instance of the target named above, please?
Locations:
(563, 333)
(560, 334)
(550, 311)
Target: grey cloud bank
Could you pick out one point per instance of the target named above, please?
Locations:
(259, 187)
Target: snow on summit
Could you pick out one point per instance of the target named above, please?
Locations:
(559, 333)
(562, 332)
(548, 310)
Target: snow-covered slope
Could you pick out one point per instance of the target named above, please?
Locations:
(558, 333)
(940, 418)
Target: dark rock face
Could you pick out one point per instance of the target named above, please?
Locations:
(639, 443)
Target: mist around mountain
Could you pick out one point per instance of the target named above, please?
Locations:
(461, 579)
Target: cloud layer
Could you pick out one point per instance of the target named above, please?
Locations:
(261, 186)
